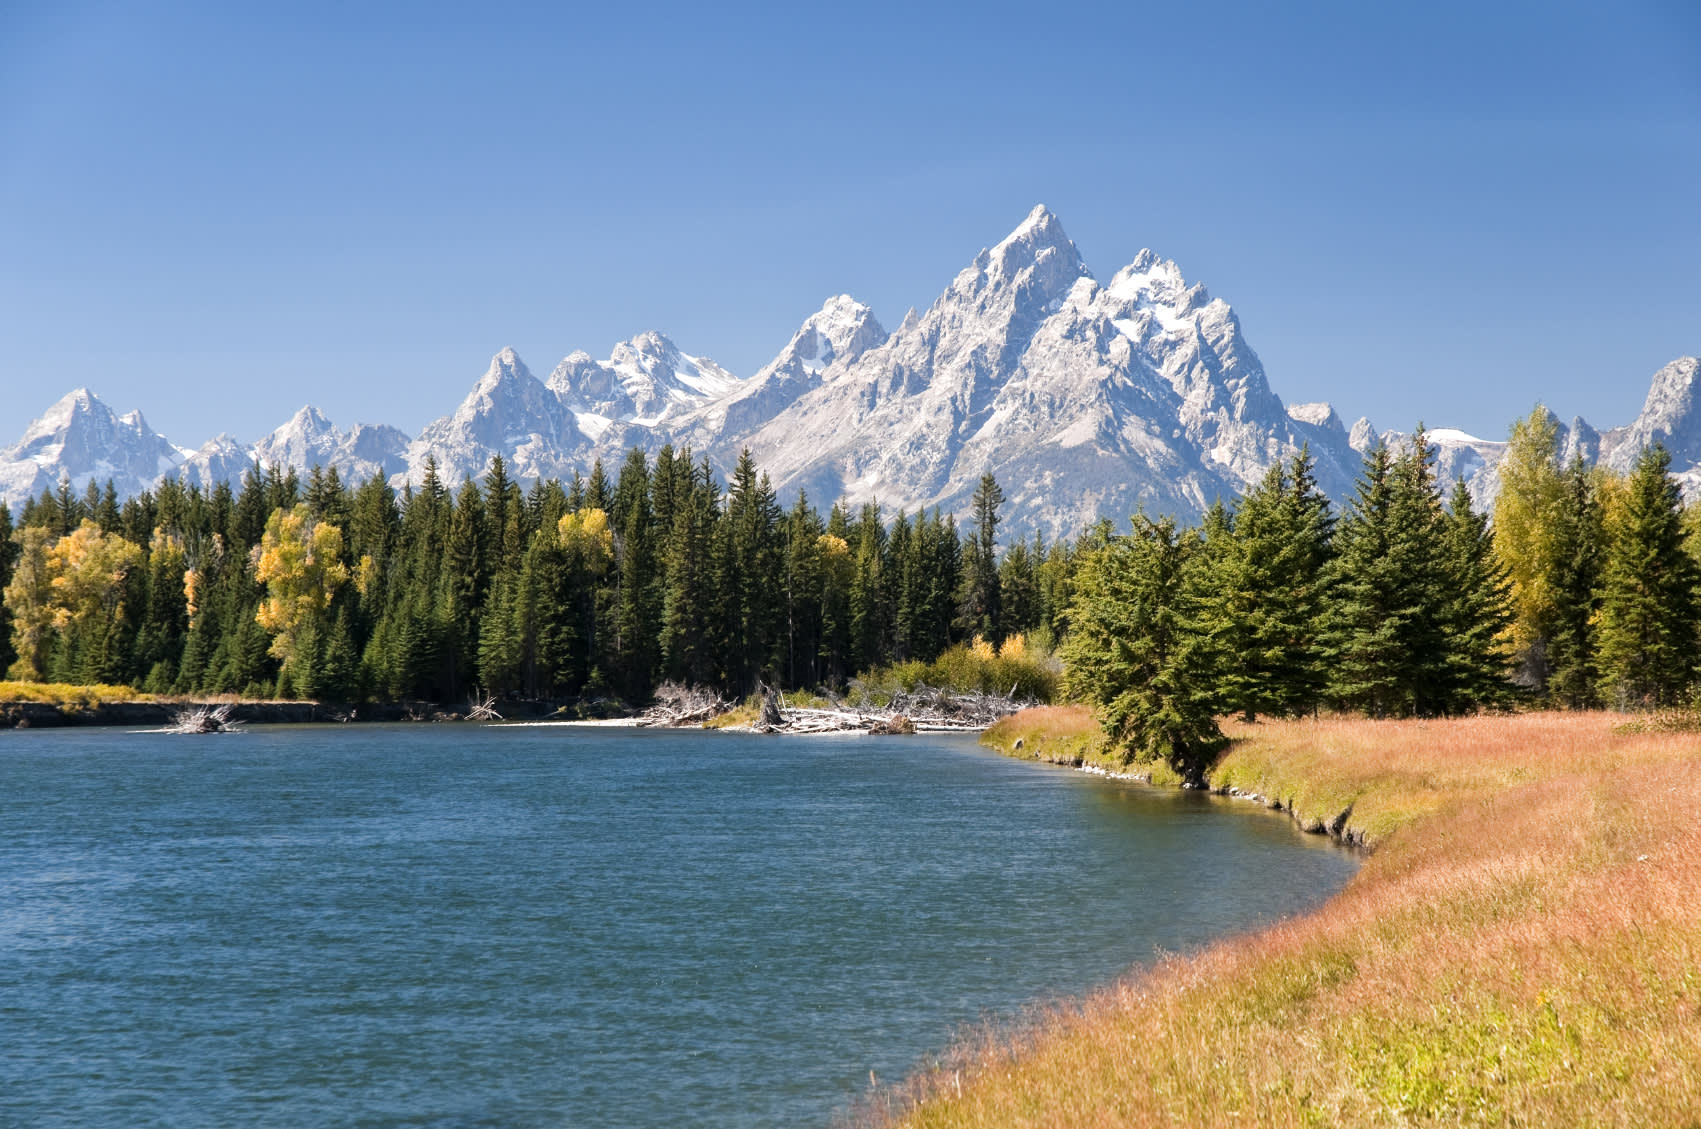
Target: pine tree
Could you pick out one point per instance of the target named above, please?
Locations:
(868, 597)
(1384, 636)
(637, 619)
(1268, 598)
(753, 599)
(1132, 655)
(465, 583)
(1018, 586)
(8, 558)
(803, 580)
(1649, 613)
(1478, 610)
(1579, 533)
(981, 613)
(688, 640)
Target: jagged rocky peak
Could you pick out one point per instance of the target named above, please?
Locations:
(82, 439)
(1580, 439)
(1363, 435)
(306, 439)
(506, 367)
(1668, 416)
(1037, 252)
(843, 329)
(509, 413)
(219, 459)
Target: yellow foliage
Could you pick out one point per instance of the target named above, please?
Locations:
(1015, 647)
(366, 575)
(64, 694)
(300, 562)
(29, 596)
(982, 650)
(87, 568)
(586, 534)
(192, 590)
(833, 547)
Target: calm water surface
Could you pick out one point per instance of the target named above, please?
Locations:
(545, 926)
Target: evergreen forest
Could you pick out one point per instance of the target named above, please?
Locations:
(1584, 591)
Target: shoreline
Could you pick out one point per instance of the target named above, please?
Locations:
(132, 713)
(1517, 948)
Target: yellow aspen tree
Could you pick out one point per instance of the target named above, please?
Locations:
(88, 568)
(586, 536)
(1525, 536)
(300, 563)
(30, 598)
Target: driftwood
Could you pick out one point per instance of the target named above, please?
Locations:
(923, 710)
(683, 705)
(482, 709)
(203, 719)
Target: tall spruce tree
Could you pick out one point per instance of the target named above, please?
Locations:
(1478, 610)
(981, 612)
(1385, 633)
(1132, 655)
(1573, 677)
(8, 557)
(1267, 598)
(1649, 613)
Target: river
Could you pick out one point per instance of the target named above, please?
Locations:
(458, 926)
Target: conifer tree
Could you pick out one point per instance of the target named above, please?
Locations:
(1131, 653)
(1018, 586)
(688, 636)
(981, 613)
(753, 601)
(1384, 634)
(1649, 613)
(8, 557)
(1478, 610)
(867, 603)
(465, 584)
(804, 577)
(1580, 537)
(1268, 597)
(637, 619)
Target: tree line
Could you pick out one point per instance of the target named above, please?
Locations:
(1583, 593)
(316, 588)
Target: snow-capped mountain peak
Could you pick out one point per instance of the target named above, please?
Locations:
(82, 439)
(509, 412)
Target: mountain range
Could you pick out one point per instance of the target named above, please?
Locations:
(1085, 399)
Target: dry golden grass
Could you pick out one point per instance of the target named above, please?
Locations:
(1523, 948)
(1056, 734)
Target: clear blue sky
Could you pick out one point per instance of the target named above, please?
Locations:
(219, 212)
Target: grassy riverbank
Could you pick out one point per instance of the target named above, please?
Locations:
(1523, 947)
